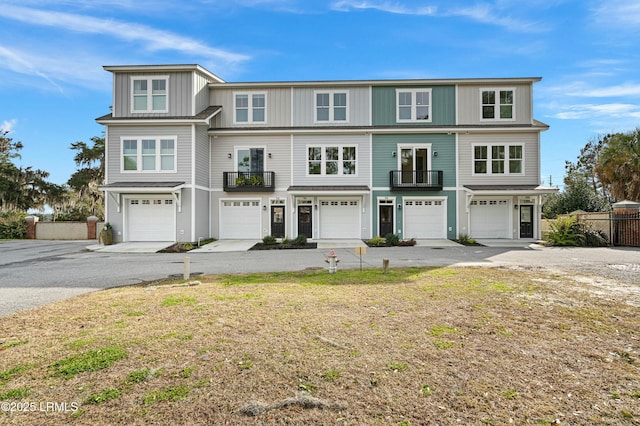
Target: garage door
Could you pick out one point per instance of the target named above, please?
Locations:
(340, 218)
(490, 218)
(425, 218)
(240, 220)
(151, 219)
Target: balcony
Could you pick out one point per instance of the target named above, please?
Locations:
(249, 181)
(415, 180)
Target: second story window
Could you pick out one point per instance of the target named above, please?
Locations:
(331, 160)
(250, 108)
(149, 94)
(497, 159)
(331, 107)
(149, 155)
(413, 105)
(497, 104)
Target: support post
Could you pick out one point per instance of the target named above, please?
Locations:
(385, 265)
(187, 268)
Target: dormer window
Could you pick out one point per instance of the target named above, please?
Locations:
(149, 94)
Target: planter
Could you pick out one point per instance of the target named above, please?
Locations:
(106, 235)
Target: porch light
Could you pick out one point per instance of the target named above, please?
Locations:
(399, 206)
(393, 154)
(435, 153)
(229, 155)
(515, 207)
(264, 208)
(269, 155)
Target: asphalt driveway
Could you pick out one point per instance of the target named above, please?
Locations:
(34, 273)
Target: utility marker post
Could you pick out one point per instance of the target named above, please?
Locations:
(187, 268)
(361, 251)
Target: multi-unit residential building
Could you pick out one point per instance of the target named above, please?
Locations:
(190, 156)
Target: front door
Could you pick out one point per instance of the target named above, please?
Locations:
(277, 221)
(305, 221)
(386, 219)
(526, 221)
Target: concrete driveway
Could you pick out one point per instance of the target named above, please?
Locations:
(34, 273)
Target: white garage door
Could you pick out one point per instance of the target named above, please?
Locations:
(490, 218)
(425, 218)
(340, 218)
(151, 219)
(240, 220)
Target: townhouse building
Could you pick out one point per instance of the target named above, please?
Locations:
(190, 156)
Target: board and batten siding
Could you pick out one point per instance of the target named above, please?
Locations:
(202, 156)
(300, 158)
(183, 152)
(443, 106)
(180, 94)
(304, 106)
(470, 106)
(201, 92)
(278, 106)
(531, 143)
(278, 145)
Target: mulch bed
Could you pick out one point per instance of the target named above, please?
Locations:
(280, 246)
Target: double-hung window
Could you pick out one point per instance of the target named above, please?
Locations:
(413, 105)
(497, 104)
(149, 94)
(331, 107)
(334, 160)
(250, 108)
(149, 154)
(498, 159)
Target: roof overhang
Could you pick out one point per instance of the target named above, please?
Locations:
(116, 189)
(164, 68)
(526, 190)
(333, 190)
(204, 117)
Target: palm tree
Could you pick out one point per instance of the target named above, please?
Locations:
(619, 165)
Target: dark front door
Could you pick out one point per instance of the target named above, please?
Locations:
(305, 221)
(386, 219)
(277, 221)
(526, 221)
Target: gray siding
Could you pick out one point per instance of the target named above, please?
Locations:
(183, 218)
(202, 157)
(183, 152)
(531, 158)
(469, 106)
(180, 92)
(300, 156)
(278, 146)
(278, 107)
(202, 215)
(201, 92)
(359, 105)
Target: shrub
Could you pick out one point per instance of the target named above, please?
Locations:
(563, 232)
(377, 242)
(269, 240)
(392, 239)
(466, 239)
(300, 240)
(12, 225)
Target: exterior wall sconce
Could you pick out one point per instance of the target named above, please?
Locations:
(229, 155)
(264, 208)
(269, 155)
(315, 207)
(515, 207)
(435, 153)
(393, 154)
(399, 206)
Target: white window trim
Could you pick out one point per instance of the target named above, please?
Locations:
(238, 148)
(157, 155)
(426, 146)
(250, 119)
(323, 160)
(331, 107)
(497, 90)
(413, 92)
(489, 160)
(149, 79)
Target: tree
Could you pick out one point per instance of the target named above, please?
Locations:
(578, 194)
(84, 198)
(618, 166)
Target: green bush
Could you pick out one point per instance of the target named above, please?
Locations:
(12, 225)
(466, 239)
(392, 239)
(377, 242)
(269, 240)
(300, 240)
(567, 231)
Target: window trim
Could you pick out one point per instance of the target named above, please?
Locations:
(149, 95)
(331, 106)
(414, 105)
(250, 107)
(489, 160)
(323, 160)
(249, 147)
(158, 153)
(497, 104)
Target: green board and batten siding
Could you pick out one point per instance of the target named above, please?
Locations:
(443, 103)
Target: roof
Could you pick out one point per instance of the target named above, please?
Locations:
(510, 188)
(204, 116)
(344, 189)
(141, 186)
(163, 68)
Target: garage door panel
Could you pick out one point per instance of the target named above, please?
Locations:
(151, 219)
(425, 218)
(339, 219)
(240, 219)
(490, 218)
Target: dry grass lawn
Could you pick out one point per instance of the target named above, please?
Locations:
(412, 347)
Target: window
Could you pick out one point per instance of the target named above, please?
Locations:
(497, 104)
(497, 159)
(413, 105)
(250, 108)
(149, 94)
(331, 160)
(331, 107)
(414, 164)
(149, 154)
(250, 159)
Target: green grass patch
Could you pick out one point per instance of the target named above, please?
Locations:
(8, 374)
(168, 394)
(439, 330)
(107, 394)
(178, 300)
(4, 346)
(139, 376)
(18, 393)
(397, 366)
(442, 344)
(93, 360)
(331, 375)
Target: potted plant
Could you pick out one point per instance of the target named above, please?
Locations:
(106, 234)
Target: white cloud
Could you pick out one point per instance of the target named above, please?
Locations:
(8, 125)
(618, 13)
(383, 6)
(621, 90)
(599, 111)
(22, 64)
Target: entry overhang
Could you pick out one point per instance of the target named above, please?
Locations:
(116, 189)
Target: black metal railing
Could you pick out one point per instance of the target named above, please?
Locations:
(416, 180)
(249, 181)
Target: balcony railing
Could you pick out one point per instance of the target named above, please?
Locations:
(249, 181)
(415, 180)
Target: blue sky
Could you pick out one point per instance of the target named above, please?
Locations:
(52, 85)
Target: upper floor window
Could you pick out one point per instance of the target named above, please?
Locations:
(413, 105)
(331, 107)
(250, 108)
(250, 159)
(149, 94)
(149, 154)
(497, 104)
(497, 159)
(331, 160)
